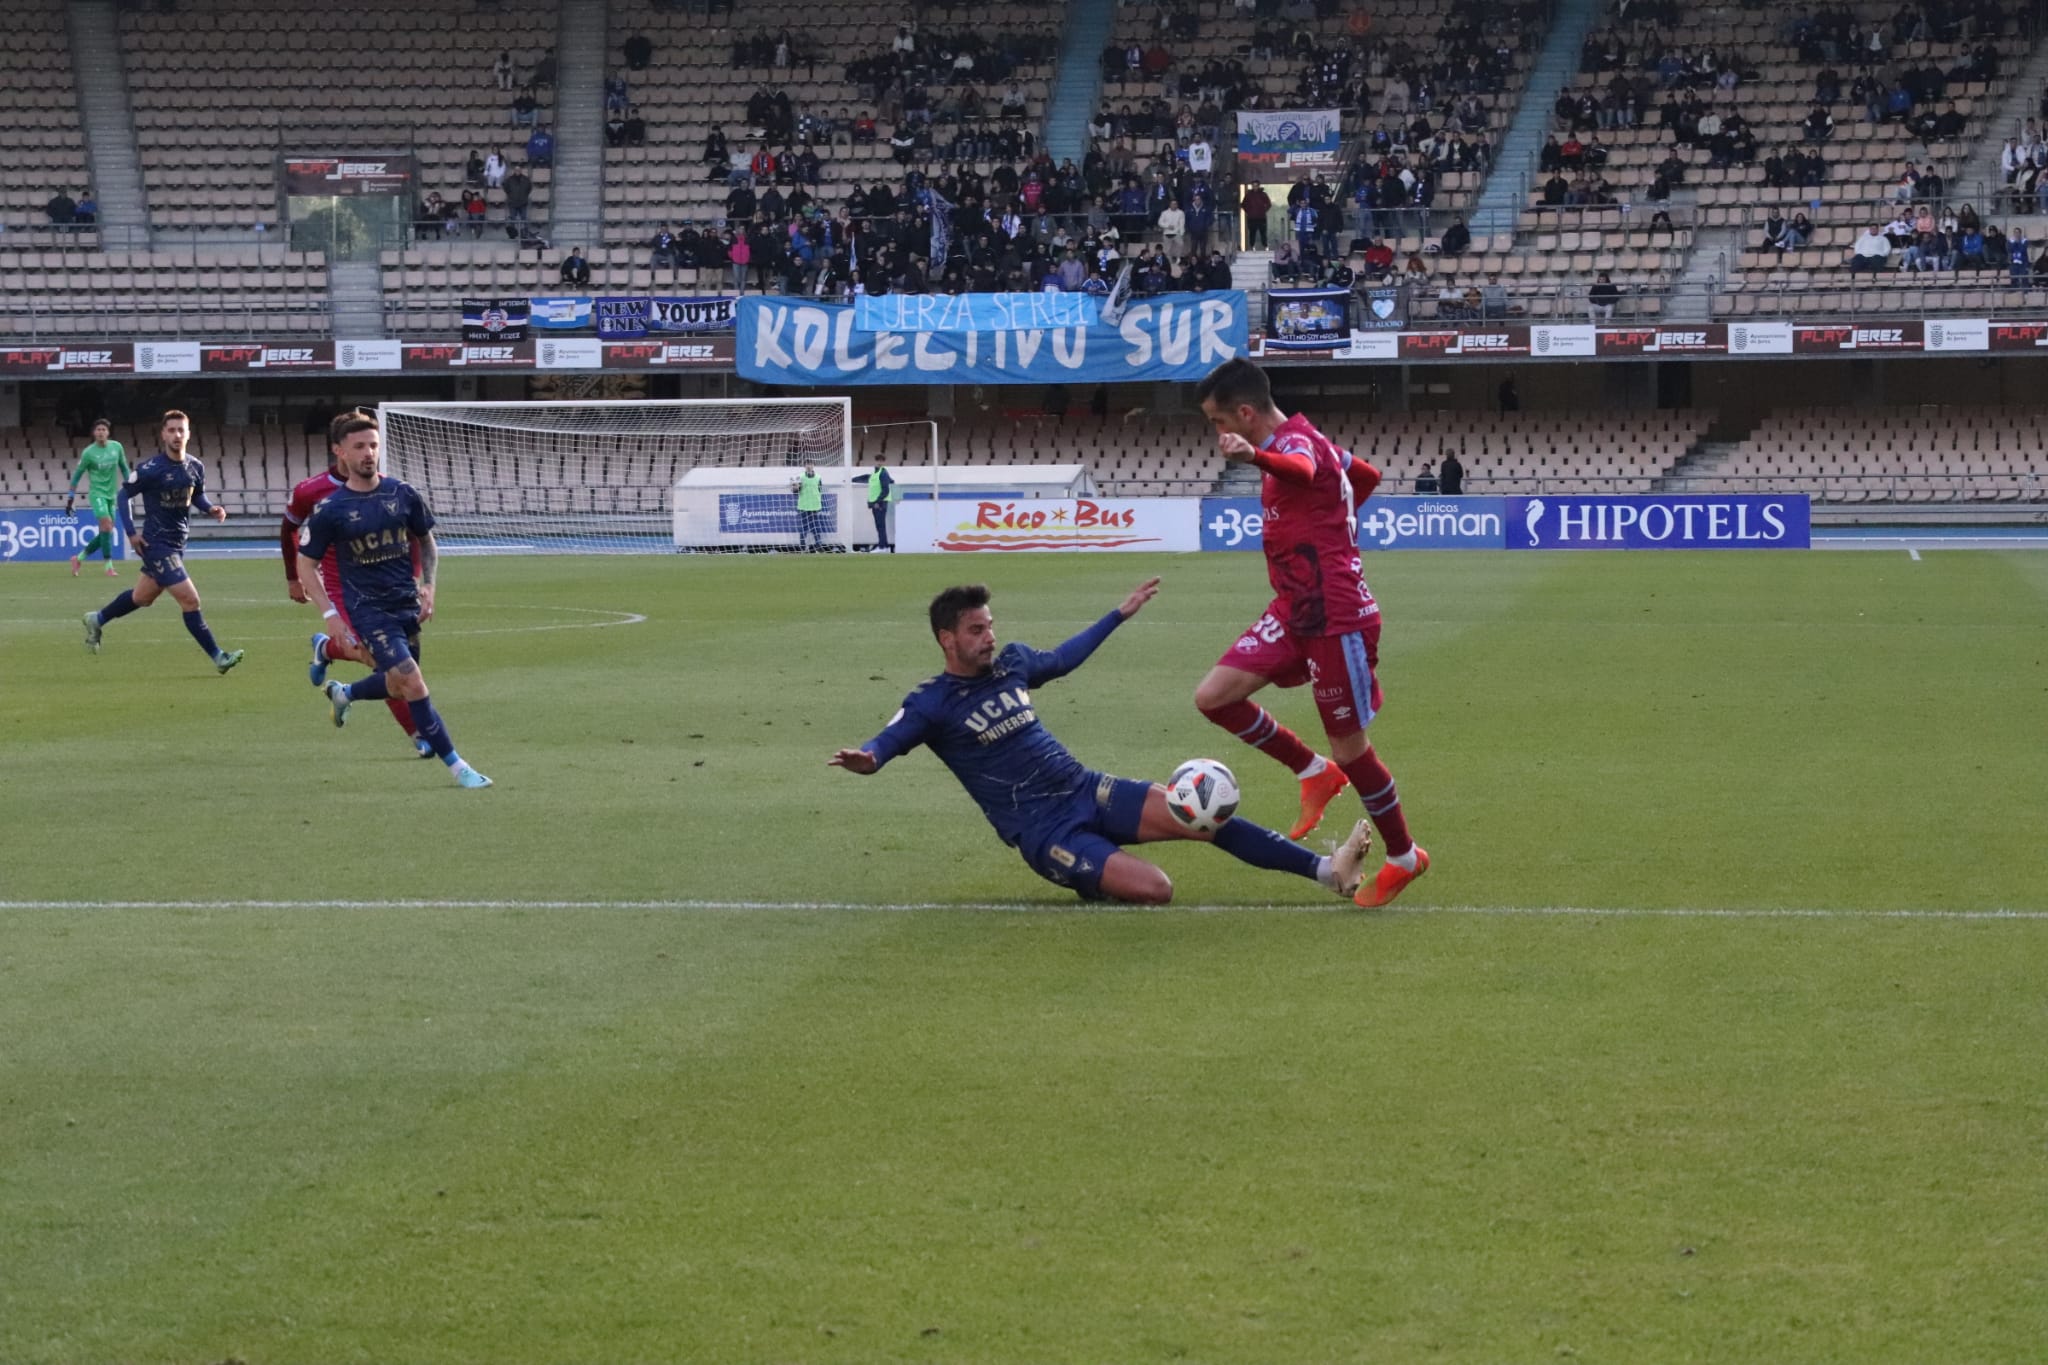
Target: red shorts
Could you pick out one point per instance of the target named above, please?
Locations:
(1342, 670)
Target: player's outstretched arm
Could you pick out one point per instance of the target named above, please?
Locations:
(854, 761)
(1138, 597)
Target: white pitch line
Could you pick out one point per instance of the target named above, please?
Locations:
(1038, 907)
(1913, 552)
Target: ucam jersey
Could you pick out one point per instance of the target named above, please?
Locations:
(372, 535)
(986, 730)
(1311, 536)
(169, 490)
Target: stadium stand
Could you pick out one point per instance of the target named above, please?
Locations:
(1704, 110)
(43, 153)
(256, 79)
(1889, 455)
(1521, 452)
(172, 291)
(1199, 63)
(704, 77)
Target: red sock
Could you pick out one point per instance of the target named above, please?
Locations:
(1253, 724)
(1382, 803)
(402, 713)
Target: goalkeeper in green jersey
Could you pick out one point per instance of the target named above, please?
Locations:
(107, 465)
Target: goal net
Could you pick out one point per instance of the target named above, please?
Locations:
(631, 476)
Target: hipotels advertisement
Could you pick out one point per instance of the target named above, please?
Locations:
(1391, 522)
(37, 537)
(1011, 526)
(1634, 522)
(1716, 522)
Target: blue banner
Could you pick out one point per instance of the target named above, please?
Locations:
(560, 314)
(629, 319)
(974, 312)
(1713, 521)
(31, 536)
(1385, 522)
(621, 319)
(1177, 337)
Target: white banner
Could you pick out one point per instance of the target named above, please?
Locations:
(569, 353)
(167, 357)
(1760, 338)
(1370, 346)
(1568, 340)
(1943, 334)
(1010, 526)
(369, 355)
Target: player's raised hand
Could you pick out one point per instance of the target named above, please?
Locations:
(1140, 595)
(854, 761)
(1236, 448)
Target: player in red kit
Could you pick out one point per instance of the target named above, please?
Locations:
(339, 641)
(1323, 627)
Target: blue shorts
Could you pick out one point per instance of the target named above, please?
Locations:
(167, 567)
(391, 637)
(1070, 847)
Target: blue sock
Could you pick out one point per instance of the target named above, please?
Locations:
(427, 721)
(119, 607)
(196, 623)
(1261, 847)
(373, 688)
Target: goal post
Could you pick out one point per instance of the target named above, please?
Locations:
(628, 476)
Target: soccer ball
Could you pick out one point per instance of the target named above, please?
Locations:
(1202, 794)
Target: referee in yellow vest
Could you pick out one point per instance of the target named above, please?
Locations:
(810, 509)
(880, 495)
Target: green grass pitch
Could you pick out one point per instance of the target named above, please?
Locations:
(1704, 1039)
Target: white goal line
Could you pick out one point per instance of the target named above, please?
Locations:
(1038, 907)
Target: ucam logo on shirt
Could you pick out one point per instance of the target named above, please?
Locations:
(40, 537)
(1390, 522)
(1730, 521)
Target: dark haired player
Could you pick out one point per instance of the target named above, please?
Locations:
(372, 523)
(342, 643)
(1067, 821)
(1323, 626)
(170, 483)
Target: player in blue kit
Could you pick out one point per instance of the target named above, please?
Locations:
(372, 523)
(170, 483)
(1068, 822)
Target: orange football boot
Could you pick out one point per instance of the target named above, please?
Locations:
(1316, 795)
(1391, 882)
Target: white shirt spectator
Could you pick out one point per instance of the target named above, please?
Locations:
(1710, 124)
(905, 42)
(1201, 156)
(964, 62)
(1173, 224)
(494, 171)
(1872, 244)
